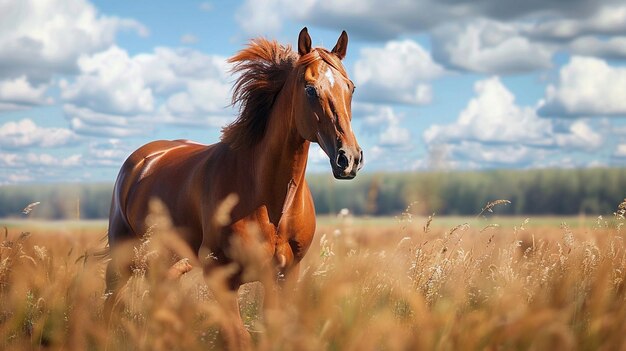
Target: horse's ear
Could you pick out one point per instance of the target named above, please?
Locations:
(304, 42)
(342, 45)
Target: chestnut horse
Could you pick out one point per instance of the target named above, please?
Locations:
(287, 100)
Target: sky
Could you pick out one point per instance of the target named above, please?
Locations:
(454, 85)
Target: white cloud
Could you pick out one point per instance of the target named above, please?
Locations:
(118, 95)
(267, 16)
(605, 20)
(488, 47)
(17, 176)
(579, 135)
(384, 19)
(10, 107)
(492, 36)
(394, 135)
(20, 93)
(493, 117)
(620, 151)
(170, 69)
(317, 156)
(11, 160)
(500, 155)
(493, 129)
(110, 82)
(25, 133)
(587, 87)
(200, 97)
(40, 38)
(108, 153)
(394, 73)
(385, 124)
(611, 48)
(88, 122)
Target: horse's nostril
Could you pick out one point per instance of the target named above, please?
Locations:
(342, 160)
(360, 156)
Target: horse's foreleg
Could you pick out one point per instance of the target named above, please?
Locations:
(235, 334)
(221, 282)
(290, 281)
(118, 272)
(279, 292)
(116, 277)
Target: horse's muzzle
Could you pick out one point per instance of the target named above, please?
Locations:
(347, 163)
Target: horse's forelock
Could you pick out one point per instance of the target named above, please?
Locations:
(320, 54)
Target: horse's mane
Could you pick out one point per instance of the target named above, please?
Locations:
(263, 66)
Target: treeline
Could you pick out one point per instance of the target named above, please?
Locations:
(57, 201)
(531, 192)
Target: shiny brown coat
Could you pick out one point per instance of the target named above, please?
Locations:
(287, 101)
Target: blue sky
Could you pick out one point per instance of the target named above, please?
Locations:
(440, 85)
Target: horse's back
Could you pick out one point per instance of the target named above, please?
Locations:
(157, 169)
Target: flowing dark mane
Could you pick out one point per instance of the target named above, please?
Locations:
(264, 66)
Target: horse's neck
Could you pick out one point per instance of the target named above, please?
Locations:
(282, 158)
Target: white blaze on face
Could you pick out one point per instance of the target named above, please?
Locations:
(329, 75)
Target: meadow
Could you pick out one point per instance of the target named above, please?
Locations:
(395, 283)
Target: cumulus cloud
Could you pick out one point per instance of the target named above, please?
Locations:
(12, 160)
(85, 121)
(118, 95)
(620, 151)
(110, 82)
(494, 129)
(395, 73)
(41, 38)
(492, 36)
(608, 19)
(373, 19)
(378, 19)
(7, 106)
(16, 176)
(20, 93)
(489, 156)
(493, 117)
(488, 47)
(25, 133)
(611, 48)
(267, 16)
(578, 135)
(107, 153)
(586, 87)
(386, 125)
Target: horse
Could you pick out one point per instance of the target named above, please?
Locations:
(287, 100)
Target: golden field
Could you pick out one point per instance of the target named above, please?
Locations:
(409, 283)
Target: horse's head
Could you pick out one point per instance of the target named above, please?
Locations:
(323, 95)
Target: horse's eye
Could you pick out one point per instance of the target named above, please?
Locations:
(310, 91)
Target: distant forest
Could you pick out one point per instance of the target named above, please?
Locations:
(531, 192)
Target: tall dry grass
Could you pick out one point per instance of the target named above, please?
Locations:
(412, 286)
